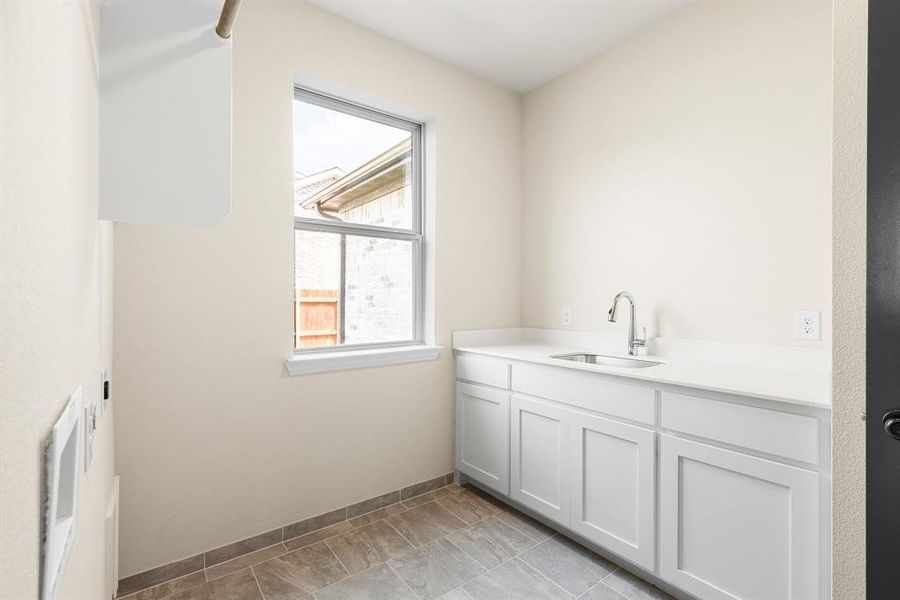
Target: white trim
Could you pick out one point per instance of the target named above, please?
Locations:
(304, 364)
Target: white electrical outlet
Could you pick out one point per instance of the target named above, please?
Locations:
(567, 315)
(807, 325)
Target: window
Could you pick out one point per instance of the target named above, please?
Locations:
(358, 215)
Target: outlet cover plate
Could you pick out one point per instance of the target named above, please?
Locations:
(808, 325)
(567, 315)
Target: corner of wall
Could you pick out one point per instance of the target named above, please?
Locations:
(849, 299)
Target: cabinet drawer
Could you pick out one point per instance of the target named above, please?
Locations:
(781, 434)
(483, 369)
(586, 390)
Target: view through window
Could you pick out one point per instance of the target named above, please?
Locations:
(357, 226)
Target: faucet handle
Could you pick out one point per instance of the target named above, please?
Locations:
(639, 346)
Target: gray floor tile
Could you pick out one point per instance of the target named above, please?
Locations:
(368, 546)
(164, 590)
(468, 506)
(574, 568)
(514, 580)
(435, 569)
(299, 572)
(457, 594)
(238, 586)
(536, 531)
(378, 583)
(634, 588)
(601, 591)
(491, 541)
(242, 562)
(425, 523)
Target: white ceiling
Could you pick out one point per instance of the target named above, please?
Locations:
(519, 44)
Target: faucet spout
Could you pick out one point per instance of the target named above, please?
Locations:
(633, 343)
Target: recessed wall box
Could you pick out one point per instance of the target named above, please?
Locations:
(60, 494)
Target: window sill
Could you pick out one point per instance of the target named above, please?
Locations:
(304, 364)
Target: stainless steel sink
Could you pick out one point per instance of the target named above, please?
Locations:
(607, 361)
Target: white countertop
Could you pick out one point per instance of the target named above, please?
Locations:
(791, 382)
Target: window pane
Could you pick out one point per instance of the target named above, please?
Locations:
(379, 302)
(317, 276)
(377, 299)
(353, 169)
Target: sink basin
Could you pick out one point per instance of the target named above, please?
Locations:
(607, 361)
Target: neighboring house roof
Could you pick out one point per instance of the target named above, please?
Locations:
(307, 185)
(386, 173)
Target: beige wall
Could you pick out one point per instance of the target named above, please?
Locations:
(849, 355)
(216, 442)
(55, 275)
(690, 165)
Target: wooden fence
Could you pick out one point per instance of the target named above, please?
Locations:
(317, 316)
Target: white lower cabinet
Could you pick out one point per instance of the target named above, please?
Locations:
(614, 486)
(539, 457)
(482, 435)
(610, 463)
(733, 526)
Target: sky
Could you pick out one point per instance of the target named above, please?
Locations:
(325, 138)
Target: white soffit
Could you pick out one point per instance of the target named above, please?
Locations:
(519, 44)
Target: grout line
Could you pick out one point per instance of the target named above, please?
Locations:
(403, 581)
(605, 577)
(344, 579)
(599, 584)
(536, 542)
(245, 555)
(472, 558)
(338, 558)
(408, 541)
(259, 587)
(548, 578)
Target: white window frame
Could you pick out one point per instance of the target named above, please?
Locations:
(340, 356)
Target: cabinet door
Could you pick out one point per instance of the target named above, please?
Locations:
(540, 458)
(733, 526)
(482, 435)
(614, 486)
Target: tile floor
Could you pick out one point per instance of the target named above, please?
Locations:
(452, 544)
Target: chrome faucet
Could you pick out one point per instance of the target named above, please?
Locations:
(633, 343)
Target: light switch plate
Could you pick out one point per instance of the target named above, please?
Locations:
(808, 325)
(103, 401)
(567, 315)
